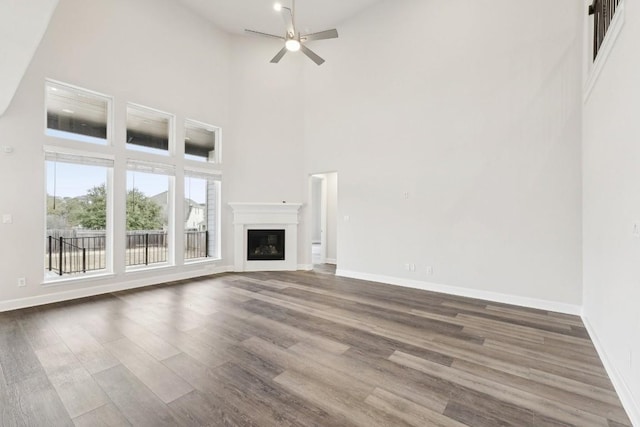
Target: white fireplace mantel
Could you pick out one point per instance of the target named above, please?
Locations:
(265, 216)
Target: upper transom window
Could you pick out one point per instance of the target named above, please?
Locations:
(200, 142)
(77, 114)
(148, 130)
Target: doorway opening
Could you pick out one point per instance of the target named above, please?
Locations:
(324, 215)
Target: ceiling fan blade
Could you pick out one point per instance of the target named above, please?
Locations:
(322, 35)
(279, 56)
(287, 16)
(315, 58)
(258, 33)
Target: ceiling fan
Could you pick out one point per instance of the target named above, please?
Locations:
(293, 40)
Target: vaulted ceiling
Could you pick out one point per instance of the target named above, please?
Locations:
(312, 15)
(23, 23)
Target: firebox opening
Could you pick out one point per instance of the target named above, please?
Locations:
(265, 245)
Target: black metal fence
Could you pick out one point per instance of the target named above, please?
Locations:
(146, 248)
(603, 12)
(196, 244)
(75, 254)
(67, 255)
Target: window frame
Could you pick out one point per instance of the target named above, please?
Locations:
(217, 131)
(164, 170)
(70, 136)
(212, 178)
(49, 150)
(171, 131)
(120, 154)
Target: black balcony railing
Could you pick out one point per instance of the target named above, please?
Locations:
(75, 254)
(146, 248)
(67, 255)
(603, 12)
(196, 244)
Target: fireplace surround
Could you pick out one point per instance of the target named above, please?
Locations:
(270, 219)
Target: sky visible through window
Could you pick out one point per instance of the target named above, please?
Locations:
(195, 189)
(71, 180)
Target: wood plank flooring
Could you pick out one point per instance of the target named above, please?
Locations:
(304, 348)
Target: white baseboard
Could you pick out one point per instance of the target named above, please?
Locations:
(305, 267)
(90, 291)
(631, 405)
(331, 261)
(466, 292)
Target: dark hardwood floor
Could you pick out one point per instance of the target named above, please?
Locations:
(274, 349)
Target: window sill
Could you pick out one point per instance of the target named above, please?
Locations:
(143, 268)
(202, 261)
(613, 32)
(71, 279)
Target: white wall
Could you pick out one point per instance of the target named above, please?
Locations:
(324, 197)
(152, 52)
(332, 217)
(316, 209)
(473, 108)
(611, 164)
(264, 142)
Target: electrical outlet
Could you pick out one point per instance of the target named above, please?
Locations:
(407, 266)
(636, 229)
(429, 270)
(406, 194)
(22, 282)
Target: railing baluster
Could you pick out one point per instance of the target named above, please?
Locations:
(60, 255)
(50, 246)
(603, 12)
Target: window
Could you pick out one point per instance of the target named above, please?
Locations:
(80, 215)
(148, 130)
(201, 201)
(77, 238)
(149, 207)
(77, 114)
(200, 142)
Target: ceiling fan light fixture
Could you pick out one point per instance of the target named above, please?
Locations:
(292, 45)
(293, 39)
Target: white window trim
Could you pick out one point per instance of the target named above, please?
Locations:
(171, 164)
(109, 267)
(167, 171)
(216, 176)
(218, 140)
(615, 28)
(62, 135)
(171, 148)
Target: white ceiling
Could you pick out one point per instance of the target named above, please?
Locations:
(22, 25)
(311, 15)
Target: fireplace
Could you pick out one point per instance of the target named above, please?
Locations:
(267, 219)
(265, 245)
